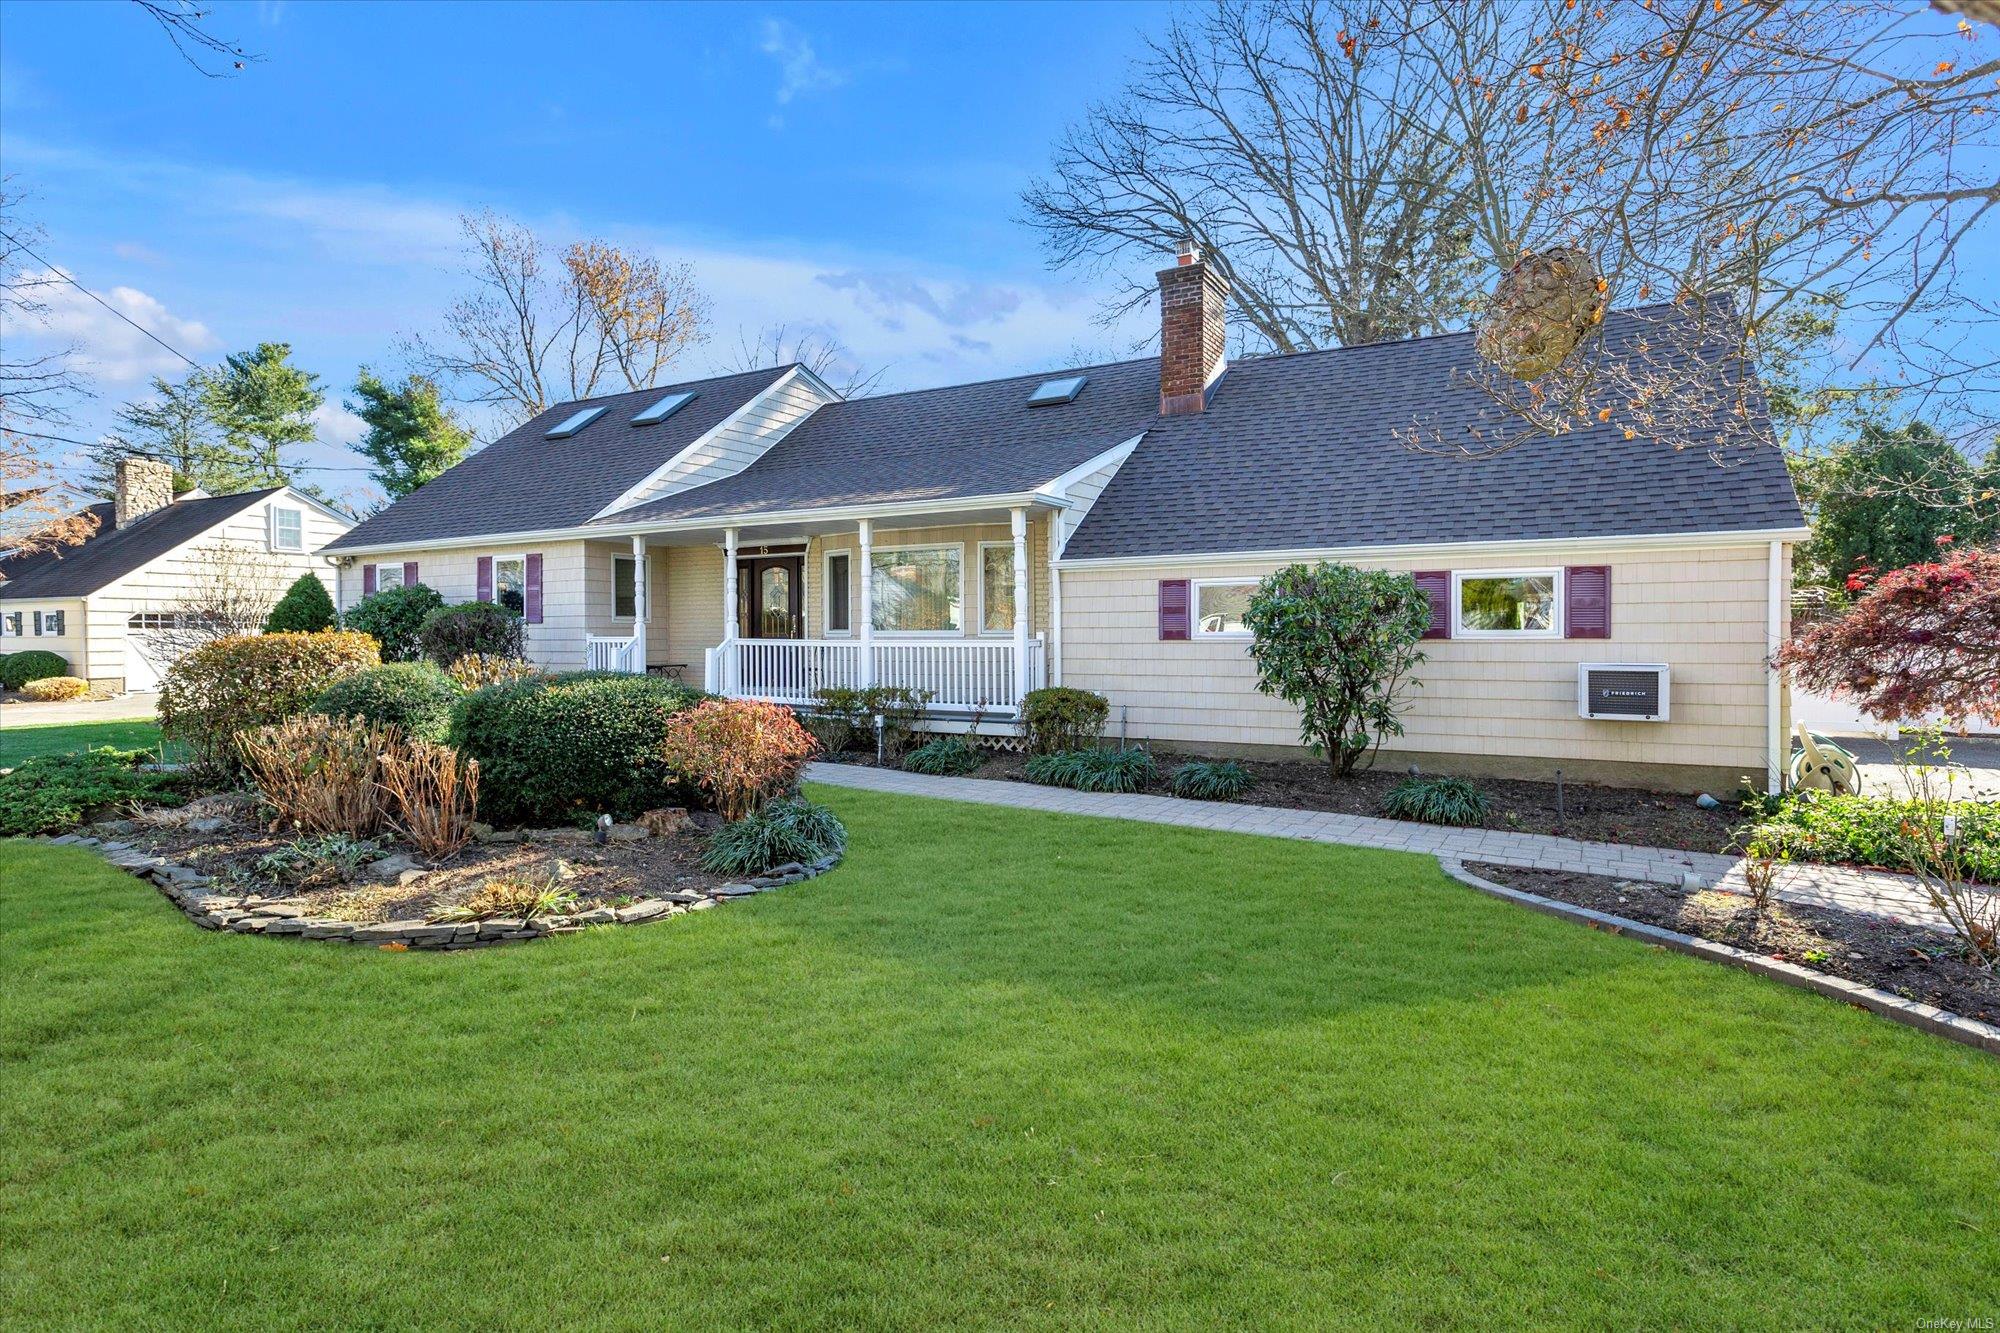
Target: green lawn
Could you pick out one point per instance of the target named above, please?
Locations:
(18, 743)
(999, 1068)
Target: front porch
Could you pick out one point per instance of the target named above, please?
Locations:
(956, 605)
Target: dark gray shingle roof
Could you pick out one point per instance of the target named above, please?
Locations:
(930, 444)
(1302, 451)
(526, 482)
(78, 571)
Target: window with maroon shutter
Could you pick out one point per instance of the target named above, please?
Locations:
(1435, 584)
(409, 573)
(484, 588)
(1173, 608)
(368, 580)
(533, 593)
(1587, 602)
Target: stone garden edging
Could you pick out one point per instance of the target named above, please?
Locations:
(189, 890)
(1910, 1013)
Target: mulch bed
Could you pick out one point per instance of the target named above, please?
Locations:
(1596, 814)
(599, 876)
(1905, 960)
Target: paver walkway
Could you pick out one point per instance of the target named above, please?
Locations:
(1872, 891)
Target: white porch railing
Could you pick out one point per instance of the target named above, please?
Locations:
(608, 654)
(959, 674)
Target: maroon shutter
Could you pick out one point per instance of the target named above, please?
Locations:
(1173, 608)
(368, 580)
(533, 595)
(409, 573)
(485, 587)
(1587, 602)
(1436, 585)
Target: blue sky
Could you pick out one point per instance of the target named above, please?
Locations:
(850, 168)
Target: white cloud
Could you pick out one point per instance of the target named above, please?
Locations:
(336, 425)
(107, 348)
(799, 66)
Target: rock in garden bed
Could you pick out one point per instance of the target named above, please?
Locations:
(1907, 960)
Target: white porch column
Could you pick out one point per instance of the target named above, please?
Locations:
(1019, 518)
(640, 590)
(865, 631)
(729, 610)
(1052, 642)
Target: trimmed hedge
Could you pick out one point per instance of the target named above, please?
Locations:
(395, 618)
(55, 689)
(583, 743)
(413, 696)
(253, 680)
(17, 669)
(304, 609)
(1056, 719)
(484, 628)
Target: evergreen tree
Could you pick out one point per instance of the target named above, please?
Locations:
(304, 609)
(262, 404)
(412, 437)
(1884, 500)
(173, 426)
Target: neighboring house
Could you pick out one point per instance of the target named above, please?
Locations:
(99, 603)
(1102, 528)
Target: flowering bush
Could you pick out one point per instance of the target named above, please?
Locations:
(253, 680)
(1922, 639)
(739, 752)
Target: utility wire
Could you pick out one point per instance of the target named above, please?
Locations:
(52, 267)
(124, 448)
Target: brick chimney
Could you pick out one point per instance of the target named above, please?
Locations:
(143, 486)
(1192, 296)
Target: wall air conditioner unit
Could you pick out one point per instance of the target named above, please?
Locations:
(1622, 691)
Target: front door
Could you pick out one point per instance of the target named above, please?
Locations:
(769, 597)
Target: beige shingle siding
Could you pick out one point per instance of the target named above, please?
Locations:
(70, 643)
(558, 642)
(1701, 611)
(738, 442)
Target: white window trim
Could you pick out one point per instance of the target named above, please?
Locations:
(616, 561)
(874, 601)
(1194, 609)
(381, 572)
(41, 625)
(518, 558)
(16, 618)
(271, 520)
(826, 559)
(1007, 630)
(1458, 629)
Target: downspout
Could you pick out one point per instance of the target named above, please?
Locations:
(1774, 736)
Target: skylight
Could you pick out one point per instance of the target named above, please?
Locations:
(663, 409)
(575, 423)
(1051, 392)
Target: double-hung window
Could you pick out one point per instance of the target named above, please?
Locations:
(387, 577)
(11, 624)
(839, 592)
(510, 582)
(624, 587)
(288, 529)
(1507, 603)
(49, 623)
(918, 589)
(1219, 607)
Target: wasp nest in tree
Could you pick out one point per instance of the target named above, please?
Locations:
(1541, 311)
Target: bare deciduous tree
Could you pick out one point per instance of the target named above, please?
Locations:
(226, 588)
(1737, 171)
(542, 327)
(820, 352)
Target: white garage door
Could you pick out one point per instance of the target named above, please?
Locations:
(146, 657)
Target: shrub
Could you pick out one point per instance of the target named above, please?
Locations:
(1094, 770)
(395, 618)
(304, 609)
(739, 752)
(1869, 830)
(320, 774)
(844, 719)
(430, 796)
(319, 862)
(485, 628)
(53, 792)
(17, 669)
(552, 747)
(1206, 780)
(242, 681)
(55, 689)
(1338, 643)
(780, 833)
(414, 697)
(947, 756)
(1057, 719)
(476, 671)
(1436, 801)
(522, 896)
